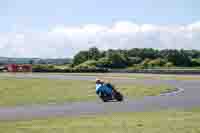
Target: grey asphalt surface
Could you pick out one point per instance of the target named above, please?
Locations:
(187, 98)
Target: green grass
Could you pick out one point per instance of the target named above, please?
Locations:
(61, 66)
(172, 121)
(41, 91)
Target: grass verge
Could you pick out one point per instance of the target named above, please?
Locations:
(172, 121)
(41, 91)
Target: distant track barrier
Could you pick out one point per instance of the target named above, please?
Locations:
(158, 71)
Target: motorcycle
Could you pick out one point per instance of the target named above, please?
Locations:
(115, 95)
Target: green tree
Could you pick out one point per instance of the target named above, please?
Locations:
(104, 62)
(143, 53)
(144, 57)
(80, 57)
(94, 53)
(134, 60)
(117, 60)
(178, 58)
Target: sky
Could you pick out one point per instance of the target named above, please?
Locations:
(60, 28)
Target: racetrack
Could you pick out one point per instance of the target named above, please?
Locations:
(187, 99)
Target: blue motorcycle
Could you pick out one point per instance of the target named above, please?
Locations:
(108, 93)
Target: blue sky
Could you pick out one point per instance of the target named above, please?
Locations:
(21, 21)
(42, 14)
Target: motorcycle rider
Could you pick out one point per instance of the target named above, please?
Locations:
(103, 88)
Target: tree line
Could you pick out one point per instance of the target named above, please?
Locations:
(136, 57)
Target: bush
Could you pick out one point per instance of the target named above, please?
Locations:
(90, 64)
(196, 62)
(145, 63)
(84, 70)
(134, 60)
(45, 68)
(80, 68)
(156, 63)
(169, 64)
(103, 63)
(137, 67)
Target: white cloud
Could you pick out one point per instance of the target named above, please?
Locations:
(194, 26)
(124, 27)
(65, 41)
